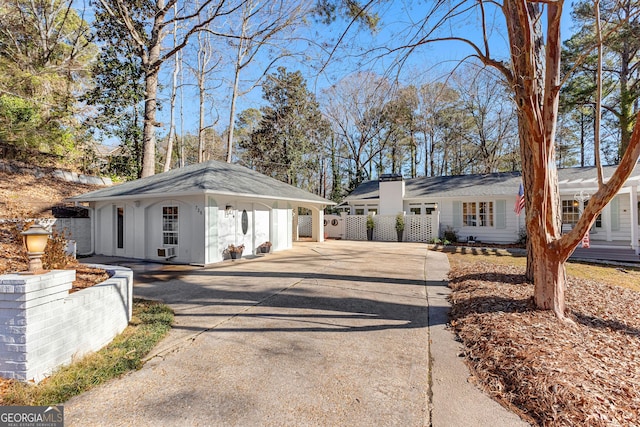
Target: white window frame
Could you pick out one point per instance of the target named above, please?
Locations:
(473, 214)
(170, 225)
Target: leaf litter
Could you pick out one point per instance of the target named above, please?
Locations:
(549, 373)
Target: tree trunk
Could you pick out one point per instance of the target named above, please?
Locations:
(172, 119)
(232, 114)
(149, 130)
(201, 135)
(174, 89)
(550, 281)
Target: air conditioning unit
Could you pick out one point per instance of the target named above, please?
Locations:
(167, 252)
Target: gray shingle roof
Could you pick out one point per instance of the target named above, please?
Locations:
(495, 184)
(212, 177)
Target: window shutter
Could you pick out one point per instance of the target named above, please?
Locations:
(501, 214)
(457, 214)
(615, 213)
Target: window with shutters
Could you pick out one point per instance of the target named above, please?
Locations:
(477, 214)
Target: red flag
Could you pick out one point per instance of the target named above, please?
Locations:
(519, 201)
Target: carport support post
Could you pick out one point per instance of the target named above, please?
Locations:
(317, 225)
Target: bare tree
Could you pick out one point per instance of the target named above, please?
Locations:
(206, 62)
(260, 23)
(174, 93)
(491, 118)
(145, 30)
(533, 75)
(355, 109)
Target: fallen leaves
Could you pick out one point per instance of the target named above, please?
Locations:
(548, 372)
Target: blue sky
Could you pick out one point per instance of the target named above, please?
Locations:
(360, 50)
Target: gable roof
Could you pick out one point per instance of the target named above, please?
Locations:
(213, 177)
(494, 184)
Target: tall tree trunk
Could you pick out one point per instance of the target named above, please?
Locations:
(201, 135)
(149, 129)
(172, 119)
(232, 114)
(174, 90)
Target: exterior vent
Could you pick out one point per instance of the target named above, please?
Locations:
(166, 252)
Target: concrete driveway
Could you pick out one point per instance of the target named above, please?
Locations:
(324, 334)
(331, 334)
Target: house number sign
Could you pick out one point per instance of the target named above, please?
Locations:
(245, 222)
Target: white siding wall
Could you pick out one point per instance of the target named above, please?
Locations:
(509, 234)
(205, 228)
(262, 225)
(143, 229)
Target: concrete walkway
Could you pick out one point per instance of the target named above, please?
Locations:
(331, 334)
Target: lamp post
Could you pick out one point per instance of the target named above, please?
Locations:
(35, 240)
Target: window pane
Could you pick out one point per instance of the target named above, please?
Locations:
(170, 225)
(485, 214)
(469, 218)
(570, 212)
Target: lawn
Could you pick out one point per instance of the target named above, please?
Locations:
(548, 372)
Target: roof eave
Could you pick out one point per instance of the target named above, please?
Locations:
(197, 193)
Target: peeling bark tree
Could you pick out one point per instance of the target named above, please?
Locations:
(536, 92)
(534, 77)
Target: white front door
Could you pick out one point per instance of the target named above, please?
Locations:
(244, 227)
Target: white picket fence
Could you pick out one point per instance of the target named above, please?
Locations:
(418, 228)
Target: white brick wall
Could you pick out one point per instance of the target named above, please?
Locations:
(42, 326)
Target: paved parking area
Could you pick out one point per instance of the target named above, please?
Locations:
(324, 334)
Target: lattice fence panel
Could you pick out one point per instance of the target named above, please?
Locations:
(304, 226)
(418, 228)
(356, 227)
(385, 229)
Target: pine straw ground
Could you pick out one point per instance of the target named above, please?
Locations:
(550, 373)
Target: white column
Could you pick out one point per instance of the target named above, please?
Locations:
(317, 225)
(606, 222)
(633, 196)
(294, 226)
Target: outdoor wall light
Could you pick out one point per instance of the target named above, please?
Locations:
(228, 210)
(35, 240)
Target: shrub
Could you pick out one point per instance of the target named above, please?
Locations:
(450, 234)
(370, 223)
(55, 256)
(522, 236)
(400, 222)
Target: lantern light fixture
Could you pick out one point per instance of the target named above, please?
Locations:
(35, 240)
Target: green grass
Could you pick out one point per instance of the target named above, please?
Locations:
(150, 323)
(626, 277)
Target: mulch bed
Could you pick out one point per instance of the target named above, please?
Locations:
(548, 372)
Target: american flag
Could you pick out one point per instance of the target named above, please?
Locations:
(519, 201)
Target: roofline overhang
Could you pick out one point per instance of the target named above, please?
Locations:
(197, 193)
